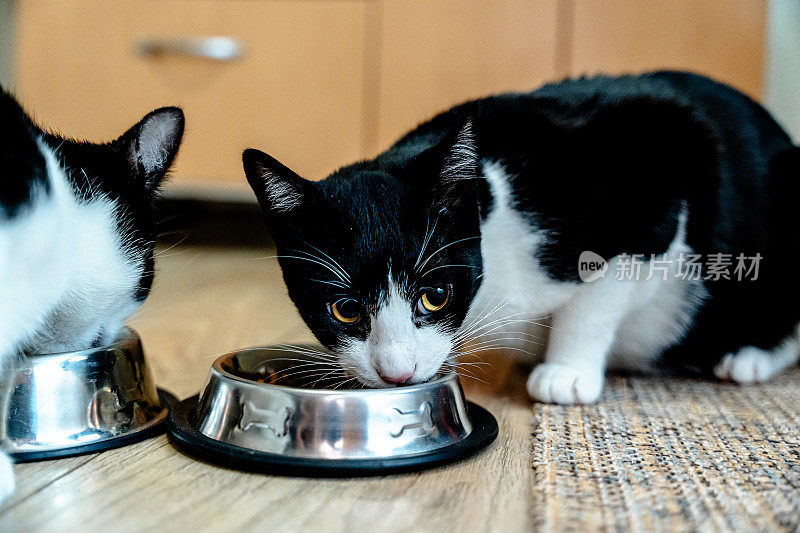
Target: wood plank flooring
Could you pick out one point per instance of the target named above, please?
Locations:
(208, 301)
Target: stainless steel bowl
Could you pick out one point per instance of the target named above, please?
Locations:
(253, 413)
(70, 403)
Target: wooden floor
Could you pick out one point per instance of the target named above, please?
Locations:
(209, 301)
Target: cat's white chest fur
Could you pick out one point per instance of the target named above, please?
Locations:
(508, 246)
(516, 295)
(64, 254)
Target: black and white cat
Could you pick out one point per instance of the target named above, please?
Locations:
(76, 233)
(519, 206)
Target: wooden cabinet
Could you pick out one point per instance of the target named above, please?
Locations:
(435, 54)
(296, 91)
(723, 39)
(321, 83)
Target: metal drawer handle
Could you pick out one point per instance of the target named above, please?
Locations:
(213, 48)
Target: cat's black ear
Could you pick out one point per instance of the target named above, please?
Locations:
(152, 144)
(278, 189)
(459, 168)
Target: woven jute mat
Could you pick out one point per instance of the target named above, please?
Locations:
(671, 454)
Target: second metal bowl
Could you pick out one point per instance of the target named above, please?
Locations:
(57, 405)
(249, 416)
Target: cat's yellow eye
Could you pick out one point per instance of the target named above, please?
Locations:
(433, 299)
(346, 311)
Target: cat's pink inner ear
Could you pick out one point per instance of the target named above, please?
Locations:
(156, 143)
(461, 161)
(281, 194)
(459, 170)
(278, 188)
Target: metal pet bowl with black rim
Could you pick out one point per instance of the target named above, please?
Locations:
(72, 403)
(267, 409)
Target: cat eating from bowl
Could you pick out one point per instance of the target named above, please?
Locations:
(650, 218)
(76, 234)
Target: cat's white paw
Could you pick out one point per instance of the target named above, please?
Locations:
(747, 366)
(6, 476)
(564, 384)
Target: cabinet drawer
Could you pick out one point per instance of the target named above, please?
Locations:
(92, 68)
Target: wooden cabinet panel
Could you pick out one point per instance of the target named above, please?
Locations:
(437, 54)
(324, 82)
(296, 92)
(723, 39)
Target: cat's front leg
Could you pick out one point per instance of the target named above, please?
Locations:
(583, 332)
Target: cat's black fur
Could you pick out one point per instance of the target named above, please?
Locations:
(22, 163)
(603, 164)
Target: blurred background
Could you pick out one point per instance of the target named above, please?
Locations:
(321, 83)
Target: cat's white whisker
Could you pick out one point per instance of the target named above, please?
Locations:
(330, 263)
(332, 373)
(426, 240)
(332, 260)
(160, 253)
(500, 348)
(476, 321)
(420, 267)
(302, 351)
(497, 324)
(464, 373)
(427, 272)
(315, 261)
(337, 284)
(507, 336)
(481, 326)
(309, 373)
(502, 341)
(301, 364)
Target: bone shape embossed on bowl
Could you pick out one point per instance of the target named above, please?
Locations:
(245, 405)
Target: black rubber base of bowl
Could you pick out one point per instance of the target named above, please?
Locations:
(167, 400)
(188, 438)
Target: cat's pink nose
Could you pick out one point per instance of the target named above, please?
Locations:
(397, 378)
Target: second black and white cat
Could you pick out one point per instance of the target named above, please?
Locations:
(473, 225)
(76, 234)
